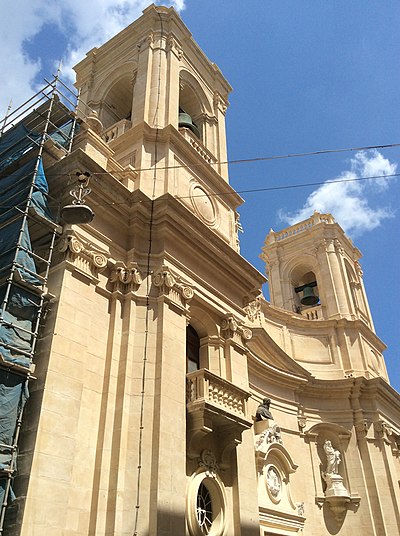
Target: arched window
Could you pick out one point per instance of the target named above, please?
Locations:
(192, 349)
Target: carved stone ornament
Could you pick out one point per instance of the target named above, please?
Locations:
(220, 102)
(382, 430)
(338, 246)
(172, 287)
(209, 461)
(300, 509)
(274, 482)
(82, 255)
(361, 428)
(302, 421)
(233, 329)
(253, 310)
(125, 275)
(270, 435)
(174, 46)
(358, 268)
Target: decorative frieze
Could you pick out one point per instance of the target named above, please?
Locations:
(82, 255)
(233, 329)
(172, 287)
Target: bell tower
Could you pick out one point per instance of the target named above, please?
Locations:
(314, 270)
(161, 105)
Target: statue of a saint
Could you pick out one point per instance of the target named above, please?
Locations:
(332, 458)
(263, 413)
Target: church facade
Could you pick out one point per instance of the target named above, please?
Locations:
(170, 397)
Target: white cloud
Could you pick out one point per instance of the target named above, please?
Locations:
(85, 23)
(349, 202)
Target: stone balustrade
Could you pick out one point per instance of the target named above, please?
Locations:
(298, 228)
(116, 130)
(313, 313)
(197, 145)
(204, 386)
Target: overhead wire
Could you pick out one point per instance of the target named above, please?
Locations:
(252, 190)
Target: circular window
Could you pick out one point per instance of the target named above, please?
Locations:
(206, 506)
(204, 509)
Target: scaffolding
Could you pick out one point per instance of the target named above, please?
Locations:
(40, 131)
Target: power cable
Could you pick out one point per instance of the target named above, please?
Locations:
(265, 158)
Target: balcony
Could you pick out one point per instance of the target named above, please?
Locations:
(217, 406)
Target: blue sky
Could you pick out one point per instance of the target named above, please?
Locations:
(306, 75)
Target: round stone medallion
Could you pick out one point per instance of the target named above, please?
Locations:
(203, 205)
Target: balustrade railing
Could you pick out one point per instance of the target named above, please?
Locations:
(116, 130)
(293, 230)
(197, 145)
(204, 386)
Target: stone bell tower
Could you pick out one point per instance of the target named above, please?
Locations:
(162, 104)
(314, 268)
(314, 275)
(149, 344)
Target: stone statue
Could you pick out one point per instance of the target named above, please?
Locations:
(332, 458)
(263, 413)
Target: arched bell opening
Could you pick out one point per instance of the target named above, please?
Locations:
(190, 113)
(117, 103)
(305, 288)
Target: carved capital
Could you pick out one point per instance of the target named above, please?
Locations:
(82, 255)
(361, 428)
(125, 276)
(383, 430)
(172, 287)
(235, 330)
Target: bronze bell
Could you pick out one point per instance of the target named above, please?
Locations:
(185, 121)
(309, 298)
